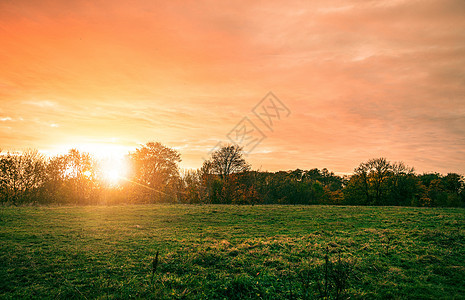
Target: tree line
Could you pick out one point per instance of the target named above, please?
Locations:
(153, 176)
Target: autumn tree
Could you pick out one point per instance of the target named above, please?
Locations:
(380, 182)
(154, 172)
(365, 186)
(192, 187)
(228, 160)
(403, 185)
(221, 186)
(441, 190)
(378, 169)
(73, 178)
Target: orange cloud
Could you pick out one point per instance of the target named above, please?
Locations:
(364, 79)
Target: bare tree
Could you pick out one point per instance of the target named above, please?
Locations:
(227, 160)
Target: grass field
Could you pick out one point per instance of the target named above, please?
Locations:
(231, 252)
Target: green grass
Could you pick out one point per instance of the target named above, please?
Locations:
(229, 252)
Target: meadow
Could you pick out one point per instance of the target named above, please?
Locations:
(231, 252)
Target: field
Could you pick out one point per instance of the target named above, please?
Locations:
(231, 252)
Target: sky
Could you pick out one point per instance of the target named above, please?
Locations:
(350, 80)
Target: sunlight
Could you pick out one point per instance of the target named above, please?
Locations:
(97, 150)
(112, 166)
(114, 170)
(69, 172)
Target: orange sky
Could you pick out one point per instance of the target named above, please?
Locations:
(362, 79)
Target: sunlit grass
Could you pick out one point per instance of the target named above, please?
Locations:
(227, 251)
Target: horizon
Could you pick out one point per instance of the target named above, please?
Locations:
(353, 81)
(118, 158)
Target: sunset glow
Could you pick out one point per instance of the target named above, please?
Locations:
(361, 79)
(97, 150)
(114, 171)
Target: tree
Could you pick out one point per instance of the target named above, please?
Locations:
(155, 171)
(193, 190)
(218, 176)
(72, 178)
(369, 180)
(21, 176)
(228, 160)
(380, 182)
(379, 170)
(454, 185)
(403, 185)
(358, 187)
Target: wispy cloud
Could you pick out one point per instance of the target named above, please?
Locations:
(42, 103)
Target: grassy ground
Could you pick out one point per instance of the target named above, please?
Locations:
(231, 252)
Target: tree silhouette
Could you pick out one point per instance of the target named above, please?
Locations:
(21, 175)
(75, 178)
(226, 161)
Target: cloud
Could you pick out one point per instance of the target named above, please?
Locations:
(42, 103)
(364, 79)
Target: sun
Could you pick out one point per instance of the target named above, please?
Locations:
(113, 170)
(112, 164)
